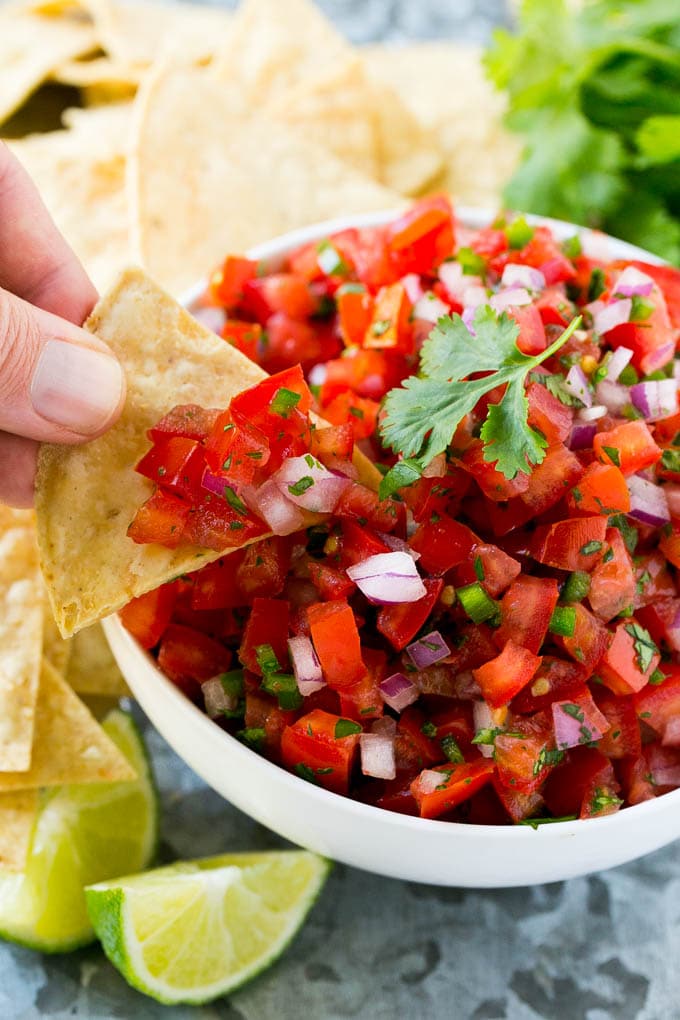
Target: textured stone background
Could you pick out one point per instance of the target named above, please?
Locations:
(602, 948)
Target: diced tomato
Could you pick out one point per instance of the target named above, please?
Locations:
(253, 405)
(310, 749)
(660, 618)
(492, 482)
(246, 337)
(401, 622)
(669, 543)
(519, 752)
(457, 722)
(368, 373)
(161, 520)
(358, 543)
(332, 446)
(186, 420)
(189, 657)
(630, 659)
(355, 311)
(424, 236)
(216, 586)
(350, 409)
(267, 625)
(337, 643)
(227, 282)
(412, 744)
(390, 326)
(629, 446)
(396, 794)
(363, 701)
(365, 250)
(176, 465)
(502, 678)
(555, 680)
(612, 582)
(330, 582)
(362, 505)
(584, 785)
(263, 713)
(442, 545)
(575, 544)
(532, 339)
(526, 611)
(550, 480)
(147, 616)
(654, 580)
(289, 341)
(492, 567)
(550, 416)
(555, 308)
(429, 498)
(589, 640)
(236, 451)
(601, 490)
(577, 720)
(658, 705)
(474, 645)
(622, 739)
(262, 568)
(651, 341)
(459, 783)
(264, 296)
(215, 524)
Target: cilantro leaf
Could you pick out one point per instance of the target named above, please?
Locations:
(422, 415)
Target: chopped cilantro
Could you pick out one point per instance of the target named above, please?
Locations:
(645, 648)
(429, 729)
(471, 263)
(452, 750)
(234, 501)
(306, 773)
(575, 711)
(487, 736)
(670, 460)
(253, 737)
(519, 233)
(590, 547)
(546, 758)
(404, 473)
(380, 327)
(597, 284)
(613, 455)
(657, 677)
(357, 412)
(535, 822)
(346, 727)
(301, 485)
(572, 247)
(628, 531)
(603, 800)
(283, 402)
(478, 568)
(576, 586)
(555, 384)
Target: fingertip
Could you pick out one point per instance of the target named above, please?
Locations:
(18, 465)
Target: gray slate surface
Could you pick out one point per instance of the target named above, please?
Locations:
(602, 948)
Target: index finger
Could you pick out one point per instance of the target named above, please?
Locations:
(36, 263)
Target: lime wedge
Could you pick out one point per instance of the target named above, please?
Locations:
(198, 929)
(83, 834)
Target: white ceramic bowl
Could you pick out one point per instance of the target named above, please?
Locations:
(441, 853)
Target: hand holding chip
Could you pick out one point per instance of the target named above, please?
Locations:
(58, 383)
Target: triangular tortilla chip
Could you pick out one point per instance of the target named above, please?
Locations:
(21, 622)
(69, 746)
(56, 649)
(92, 669)
(86, 496)
(237, 179)
(18, 812)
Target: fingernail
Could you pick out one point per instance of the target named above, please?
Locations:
(76, 387)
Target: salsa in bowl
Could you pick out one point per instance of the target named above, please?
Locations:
(484, 645)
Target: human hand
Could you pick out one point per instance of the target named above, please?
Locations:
(58, 384)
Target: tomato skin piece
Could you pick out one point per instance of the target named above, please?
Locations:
(526, 610)
(189, 657)
(560, 545)
(634, 443)
(601, 490)
(311, 741)
(570, 787)
(554, 307)
(612, 583)
(589, 640)
(549, 415)
(555, 680)
(267, 624)
(400, 623)
(160, 520)
(335, 636)
(502, 678)
(147, 616)
(227, 283)
(550, 480)
(619, 668)
(622, 739)
(189, 421)
(459, 783)
(442, 545)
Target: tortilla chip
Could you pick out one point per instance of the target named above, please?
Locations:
(445, 87)
(86, 496)
(18, 812)
(140, 33)
(236, 178)
(31, 46)
(92, 669)
(81, 176)
(115, 79)
(21, 621)
(69, 746)
(56, 649)
(292, 65)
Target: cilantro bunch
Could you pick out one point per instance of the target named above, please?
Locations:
(595, 91)
(421, 416)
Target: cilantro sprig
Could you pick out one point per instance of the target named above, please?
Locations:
(422, 415)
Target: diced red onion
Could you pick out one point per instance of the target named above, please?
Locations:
(388, 578)
(456, 281)
(216, 699)
(306, 665)
(468, 318)
(397, 544)
(672, 493)
(656, 399)
(413, 287)
(672, 636)
(282, 516)
(594, 307)
(582, 435)
(660, 357)
(648, 503)
(671, 733)
(317, 375)
(618, 361)
(570, 731)
(475, 295)
(613, 395)
(522, 276)
(429, 780)
(322, 494)
(377, 755)
(483, 720)
(430, 308)
(613, 314)
(210, 317)
(214, 483)
(632, 281)
(576, 382)
(666, 775)
(591, 414)
(436, 468)
(676, 370)
(387, 726)
(398, 692)
(428, 650)
(511, 298)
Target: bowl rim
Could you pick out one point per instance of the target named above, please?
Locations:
(474, 218)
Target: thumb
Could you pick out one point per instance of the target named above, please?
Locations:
(58, 383)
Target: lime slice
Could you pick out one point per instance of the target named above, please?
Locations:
(83, 834)
(198, 929)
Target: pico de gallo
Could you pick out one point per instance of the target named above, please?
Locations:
(494, 636)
